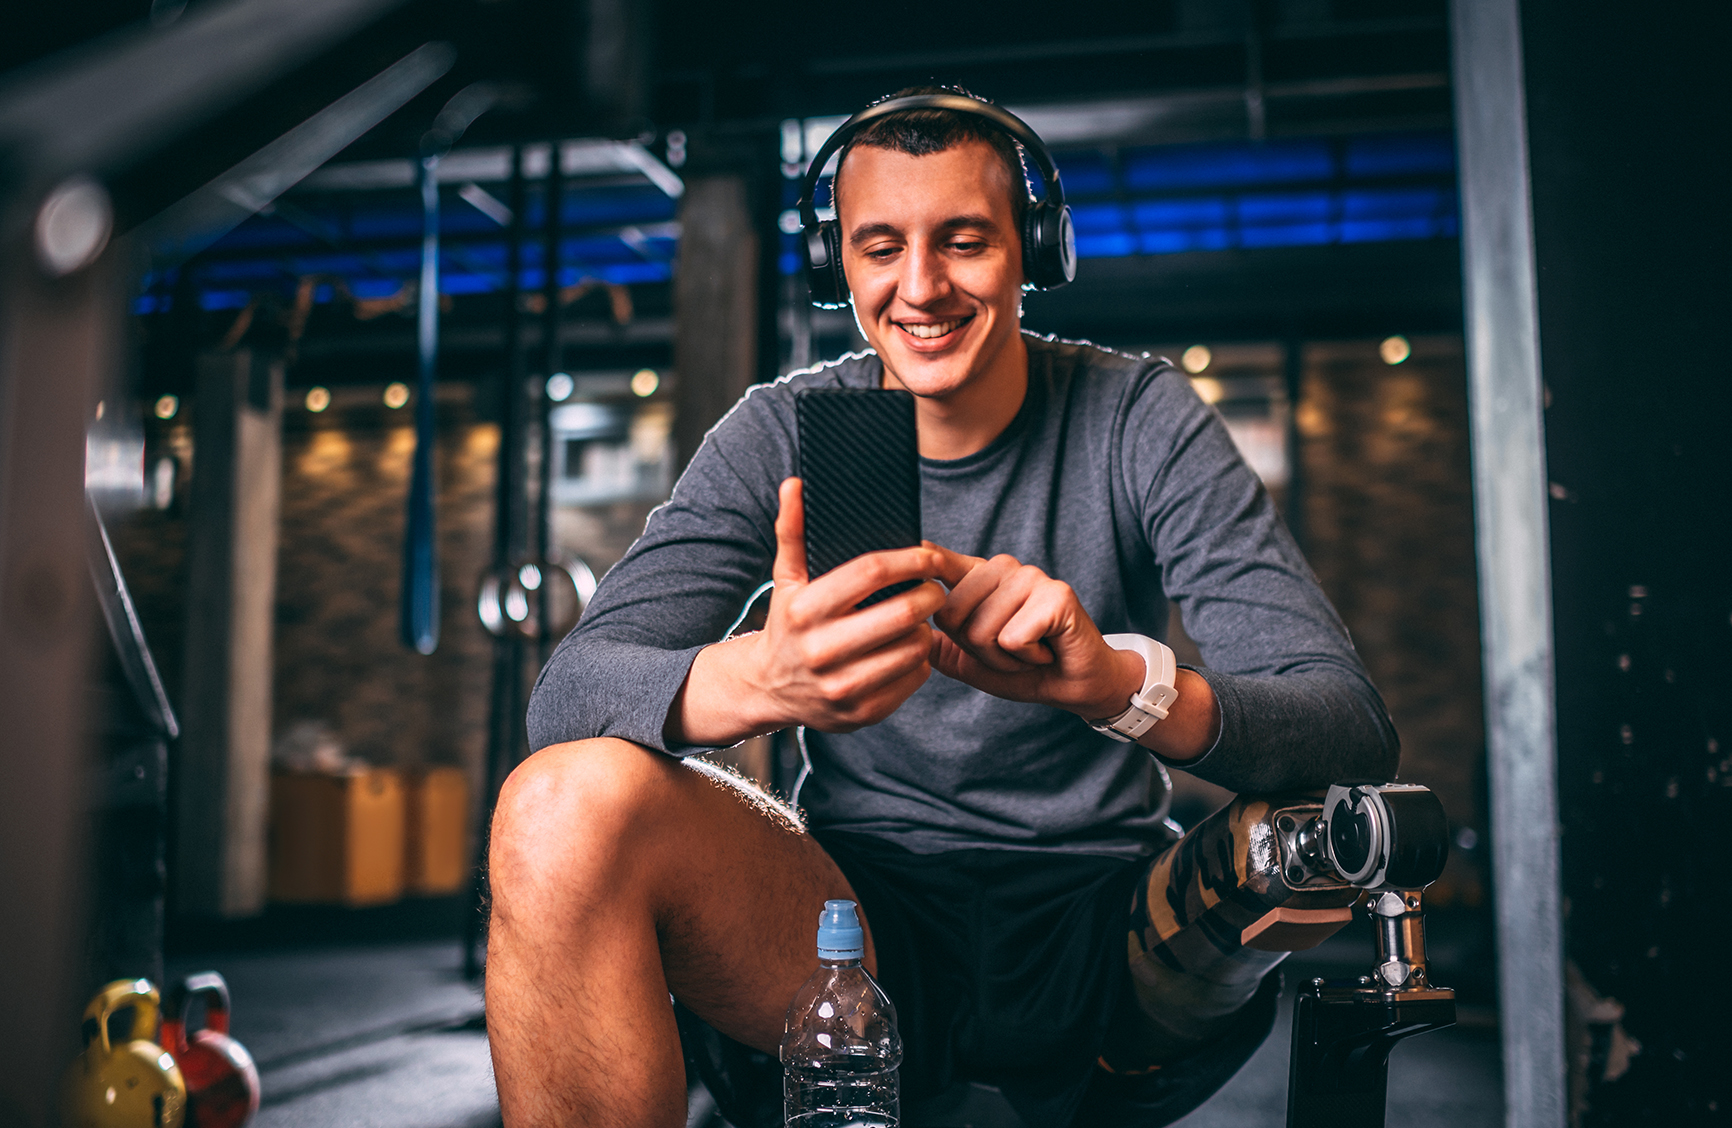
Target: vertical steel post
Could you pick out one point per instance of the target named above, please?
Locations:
(505, 713)
(554, 361)
(1506, 403)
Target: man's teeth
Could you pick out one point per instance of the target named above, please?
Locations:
(927, 332)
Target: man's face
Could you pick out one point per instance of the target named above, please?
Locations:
(934, 262)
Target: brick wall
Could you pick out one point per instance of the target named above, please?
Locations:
(1389, 532)
(337, 656)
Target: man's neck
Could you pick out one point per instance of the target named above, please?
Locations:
(968, 420)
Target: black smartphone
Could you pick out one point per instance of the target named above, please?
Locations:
(860, 462)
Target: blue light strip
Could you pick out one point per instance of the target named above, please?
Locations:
(1151, 201)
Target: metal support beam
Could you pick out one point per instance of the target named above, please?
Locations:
(1506, 401)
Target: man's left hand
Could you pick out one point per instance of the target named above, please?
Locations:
(1013, 631)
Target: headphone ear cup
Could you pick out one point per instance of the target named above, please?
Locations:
(824, 277)
(1048, 246)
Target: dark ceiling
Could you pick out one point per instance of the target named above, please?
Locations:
(727, 75)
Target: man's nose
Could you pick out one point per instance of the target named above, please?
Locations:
(925, 276)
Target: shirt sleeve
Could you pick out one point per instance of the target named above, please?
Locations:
(1298, 709)
(677, 590)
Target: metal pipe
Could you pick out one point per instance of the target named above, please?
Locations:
(553, 361)
(511, 484)
(1400, 939)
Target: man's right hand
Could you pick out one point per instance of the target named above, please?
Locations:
(818, 661)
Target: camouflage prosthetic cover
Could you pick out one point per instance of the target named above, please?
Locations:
(1221, 881)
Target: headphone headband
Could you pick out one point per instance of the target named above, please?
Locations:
(1007, 123)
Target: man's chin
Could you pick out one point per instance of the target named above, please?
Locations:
(927, 375)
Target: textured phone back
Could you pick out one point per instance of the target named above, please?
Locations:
(860, 464)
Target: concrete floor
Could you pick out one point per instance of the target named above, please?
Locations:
(390, 1036)
(379, 1036)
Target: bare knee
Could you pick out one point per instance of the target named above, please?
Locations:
(569, 813)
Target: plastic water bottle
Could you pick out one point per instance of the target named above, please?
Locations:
(840, 1049)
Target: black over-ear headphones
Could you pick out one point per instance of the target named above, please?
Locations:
(1048, 244)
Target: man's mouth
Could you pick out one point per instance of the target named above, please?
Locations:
(933, 330)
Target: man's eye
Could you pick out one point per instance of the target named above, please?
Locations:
(967, 246)
(882, 253)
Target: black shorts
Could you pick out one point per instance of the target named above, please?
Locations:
(1006, 968)
(1004, 965)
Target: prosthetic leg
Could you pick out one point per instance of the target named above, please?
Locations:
(1392, 841)
(1269, 875)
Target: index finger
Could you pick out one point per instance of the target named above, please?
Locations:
(790, 563)
(953, 566)
(843, 587)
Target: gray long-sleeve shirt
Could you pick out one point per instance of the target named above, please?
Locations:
(1113, 477)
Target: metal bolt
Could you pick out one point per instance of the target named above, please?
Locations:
(1286, 824)
(1295, 875)
(72, 226)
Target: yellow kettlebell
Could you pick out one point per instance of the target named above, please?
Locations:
(133, 1084)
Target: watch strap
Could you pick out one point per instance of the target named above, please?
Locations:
(1148, 705)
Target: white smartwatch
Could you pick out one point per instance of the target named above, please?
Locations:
(1150, 703)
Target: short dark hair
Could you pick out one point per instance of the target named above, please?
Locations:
(922, 132)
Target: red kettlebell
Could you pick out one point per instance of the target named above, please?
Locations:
(222, 1083)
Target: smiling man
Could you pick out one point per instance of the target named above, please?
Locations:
(972, 778)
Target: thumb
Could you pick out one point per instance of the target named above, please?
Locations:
(790, 564)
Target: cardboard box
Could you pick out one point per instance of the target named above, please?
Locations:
(438, 846)
(338, 839)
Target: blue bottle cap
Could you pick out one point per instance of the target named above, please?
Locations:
(840, 936)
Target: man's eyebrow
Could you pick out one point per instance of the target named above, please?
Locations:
(869, 231)
(981, 222)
